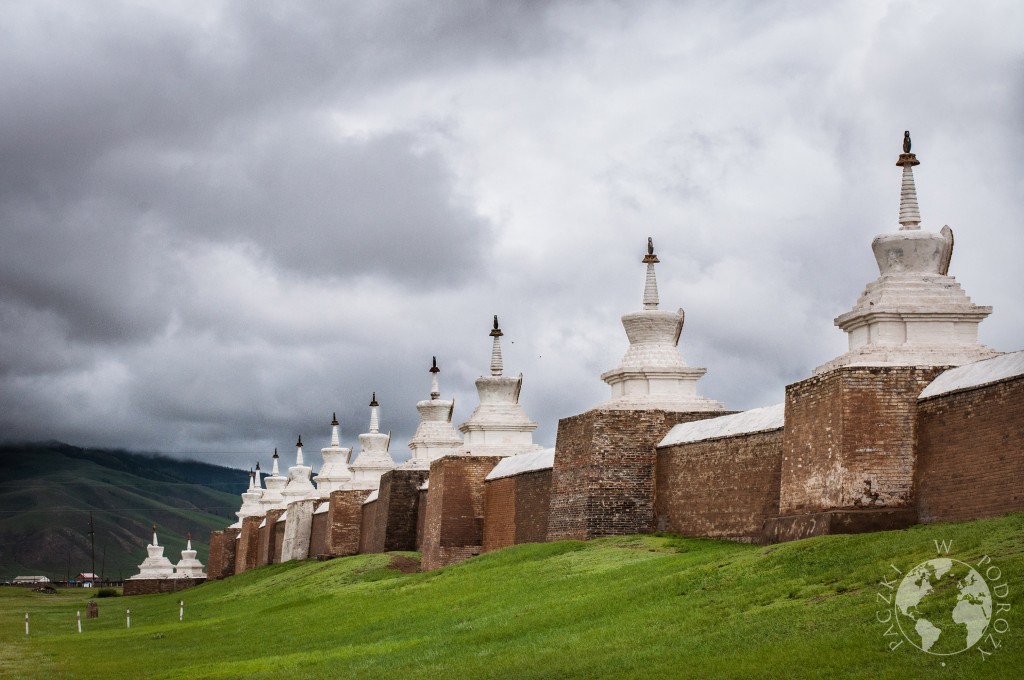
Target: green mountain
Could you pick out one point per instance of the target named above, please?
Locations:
(47, 491)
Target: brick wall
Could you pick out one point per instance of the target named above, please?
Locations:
(318, 533)
(970, 453)
(279, 528)
(366, 534)
(148, 586)
(247, 552)
(516, 509)
(603, 478)
(268, 538)
(344, 520)
(393, 524)
(215, 562)
(849, 439)
(719, 488)
(453, 526)
(421, 516)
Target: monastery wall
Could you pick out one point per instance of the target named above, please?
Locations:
(421, 516)
(603, 478)
(268, 538)
(149, 586)
(970, 453)
(344, 522)
(318, 531)
(516, 509)
(393, 526)
(247, 552)
(719, 488)
(215, 566)
(453, 525)
(279, 528)
(367, 520)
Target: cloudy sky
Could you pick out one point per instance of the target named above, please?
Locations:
(222, 221)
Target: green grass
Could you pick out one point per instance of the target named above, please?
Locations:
(627, 607)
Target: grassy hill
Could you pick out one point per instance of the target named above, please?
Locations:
(47, 491)
(629, 607)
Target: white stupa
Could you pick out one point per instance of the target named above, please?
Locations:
(189, 566)
(251, 499)
(334, 475)
(652, 374)
(374, 459)
(914, 313)
(498, 426)
(155, 565)
(435, 436)
(300, 485)
(275, 483)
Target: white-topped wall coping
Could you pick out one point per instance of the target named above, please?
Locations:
(425, 485)
(283, 517)
(324, 507)
(764, 419)
(523, 462)
(976, 374)
(372, 497)
(263, 523)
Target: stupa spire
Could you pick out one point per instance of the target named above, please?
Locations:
(252, 480)
(154, 534)
(651, 284)
(335, 434)
(435, 388)
(259, 483)
(496, 363)
(273, 470)
(910, 214)
(188, 545)
(374, 420)
(298, 451)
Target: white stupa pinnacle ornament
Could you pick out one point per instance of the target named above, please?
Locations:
(299, 486)
(435, 436)
(914, 313)
(374, 459)
(189, 566)
(334, 475)
(652, 375)
(275, 483)
(498, 426)
(155, 565)
(251, 499)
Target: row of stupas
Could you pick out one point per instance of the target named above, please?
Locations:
(157, 566)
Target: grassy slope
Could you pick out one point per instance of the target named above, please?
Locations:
(626, 607)
(47, 491)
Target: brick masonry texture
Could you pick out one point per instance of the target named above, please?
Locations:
(719, 488)
(516, 509)
(603, 478)
(268, 538)
(215, 563)
(247, 552)
(849, 439)
(344, 522)
(368, 519)
(279, 528)
(318, 533)
(971, 453)
(421, 516)
(227, 553)
(855, 521)
(453, 526)
(148, 586)
(394, 521)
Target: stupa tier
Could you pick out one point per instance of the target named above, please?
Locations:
(435, 436)
(374, 459)
(335, 474)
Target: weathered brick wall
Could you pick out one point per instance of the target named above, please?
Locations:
(453, 526)
(268, 538)
(228, 545)
(849, 439)
(719, 488)
(279, 528)
(318, 532)
(970, 453)
(393, 524)
(516, 509)
(366, 533)
(421, 516)
(148, 586)
(344, 522)
(215, 563)
(603, 478)
(248, 548)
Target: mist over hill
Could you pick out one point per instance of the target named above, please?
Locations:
(48, 489)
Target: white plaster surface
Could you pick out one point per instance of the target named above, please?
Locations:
(373, 460)
(155, 565)
(762, 419)
(297, 529)
(976, 374)
(523, 462)
(374, 495)
(188, 566)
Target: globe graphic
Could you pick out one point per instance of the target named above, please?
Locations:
(943, 606)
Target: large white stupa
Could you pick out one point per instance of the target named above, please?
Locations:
(251, 499)
(373, 460)
(914, 313)
(155, 565)
(435, 436)
(299, 486)
(275, 483)
(335, 474)
(498, 426)
(189, 566)
(652, 374)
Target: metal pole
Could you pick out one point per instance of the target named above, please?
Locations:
(79, 620)
(92, 538)
(128, 617)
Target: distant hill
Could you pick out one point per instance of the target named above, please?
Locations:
(48, 489)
